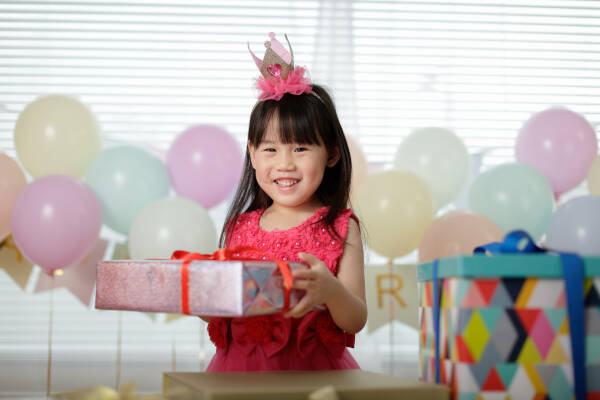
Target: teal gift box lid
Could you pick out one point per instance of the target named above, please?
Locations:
(508, 265)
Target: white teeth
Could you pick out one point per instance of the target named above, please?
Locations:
(286, 182)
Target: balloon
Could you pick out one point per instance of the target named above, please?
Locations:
(169, 224)
(593, 177)
(55, 221)
(559, 143)
(476, 160)
(204, 164)
(439, 158)
(359, 165)
(457, 232)
(395, 207)
(56, 134)
(125, 179)
(575, 227)
(514, 196)
(12, 181)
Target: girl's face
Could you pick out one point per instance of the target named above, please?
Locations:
(289, 174)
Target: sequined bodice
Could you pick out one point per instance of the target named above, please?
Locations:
(311, 236)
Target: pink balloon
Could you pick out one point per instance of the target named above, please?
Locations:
(12, 181)
(204, 164)
(561, 144)
(55, 221)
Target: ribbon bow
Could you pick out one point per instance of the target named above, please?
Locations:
(317, 327)
(519, 241)
(514, 242)
(224, 254)
(271, 333)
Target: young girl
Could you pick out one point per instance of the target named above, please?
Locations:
(291, 205)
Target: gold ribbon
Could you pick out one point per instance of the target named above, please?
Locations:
(127, 391)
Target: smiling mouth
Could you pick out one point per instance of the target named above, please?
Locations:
(286, 182)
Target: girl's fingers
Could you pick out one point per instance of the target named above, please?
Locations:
(303, 273)
(300, 309)
(302, 284)
(308, 258)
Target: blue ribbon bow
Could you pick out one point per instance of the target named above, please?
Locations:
(572, 266)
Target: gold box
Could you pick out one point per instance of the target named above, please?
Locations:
(292, 385)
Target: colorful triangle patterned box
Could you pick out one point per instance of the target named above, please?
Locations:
(504, 327)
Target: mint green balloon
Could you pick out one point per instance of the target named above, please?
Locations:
(126, 179)
(514, 196)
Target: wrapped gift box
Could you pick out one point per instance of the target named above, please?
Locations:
(297, 385)
(215, 288)
(503, 326)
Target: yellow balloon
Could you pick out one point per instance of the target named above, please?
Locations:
(593, 177)
(56, 134)
(396, 207)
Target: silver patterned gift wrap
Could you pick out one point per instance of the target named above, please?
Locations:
(214, 288)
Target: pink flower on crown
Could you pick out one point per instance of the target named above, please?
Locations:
(274, 89)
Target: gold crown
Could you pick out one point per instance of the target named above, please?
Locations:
(277, 61)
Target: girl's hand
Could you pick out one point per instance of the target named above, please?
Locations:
(319, 283)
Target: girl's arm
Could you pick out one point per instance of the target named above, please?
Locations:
(344, 296)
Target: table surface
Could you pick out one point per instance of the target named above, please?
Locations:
(347, 383)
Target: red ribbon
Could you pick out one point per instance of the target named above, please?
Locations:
(224, 254)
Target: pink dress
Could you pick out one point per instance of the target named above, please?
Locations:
(273, 342)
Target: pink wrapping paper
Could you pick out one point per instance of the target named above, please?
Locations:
(216, 288)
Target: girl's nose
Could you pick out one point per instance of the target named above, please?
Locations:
(285, 161)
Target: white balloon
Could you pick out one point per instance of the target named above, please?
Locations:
(575, 227)
(169, 224)
(439, 158)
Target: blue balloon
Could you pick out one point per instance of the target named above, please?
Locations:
(514, 196)
(575, 227)
(125, 179)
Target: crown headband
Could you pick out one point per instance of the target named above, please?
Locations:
(278, 73)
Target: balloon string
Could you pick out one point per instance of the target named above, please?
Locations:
(119, 340)
(391, 302)
(50, 318)
(173, 353)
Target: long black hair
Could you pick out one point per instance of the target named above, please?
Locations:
(309, 118)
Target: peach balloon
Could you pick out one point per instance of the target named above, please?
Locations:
(11, 182)
(457, 232)
(359, 164)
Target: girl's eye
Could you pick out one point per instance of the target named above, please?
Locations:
(299, 149)
(269, 149)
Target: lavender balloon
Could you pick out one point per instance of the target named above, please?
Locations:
(55, 221)
(204, 164)
(560, 144)
(575, 227)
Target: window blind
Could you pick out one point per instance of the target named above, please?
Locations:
(149, 69)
